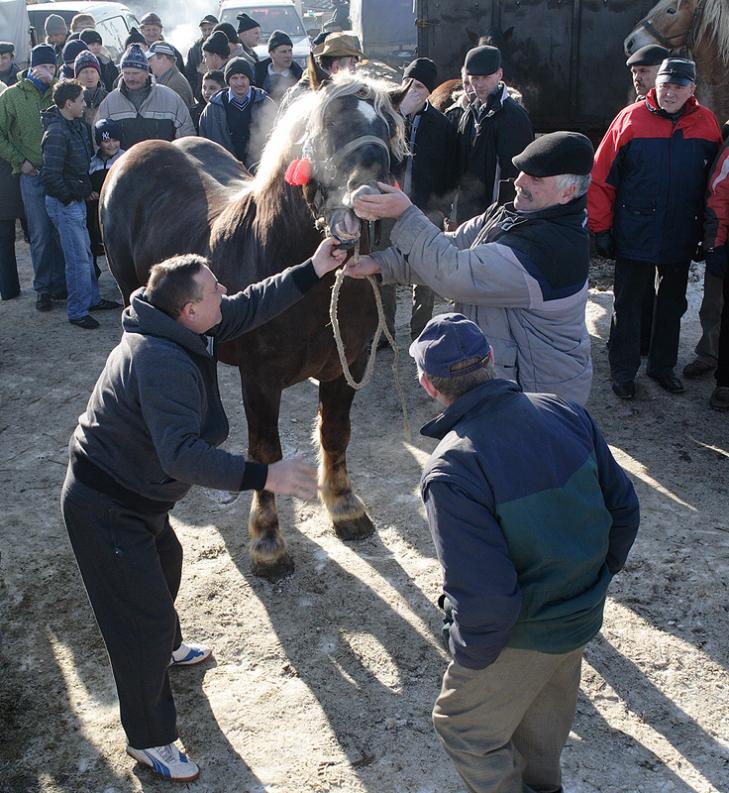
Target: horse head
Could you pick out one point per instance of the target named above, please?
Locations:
(342, 138)
(668, 23)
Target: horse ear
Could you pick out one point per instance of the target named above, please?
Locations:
(398, 94)
(317, 75)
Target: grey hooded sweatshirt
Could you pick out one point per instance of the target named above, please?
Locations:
(155, 416)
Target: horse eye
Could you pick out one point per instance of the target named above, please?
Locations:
(670, 10)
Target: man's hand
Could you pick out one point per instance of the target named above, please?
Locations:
(364, 267)
(293, 477)
(28, 169)
(391, 203)
(328, 256)
(604, 245)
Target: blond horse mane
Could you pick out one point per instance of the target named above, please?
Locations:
(306, 117)
(713, 24)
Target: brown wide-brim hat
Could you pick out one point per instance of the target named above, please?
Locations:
(341, 45)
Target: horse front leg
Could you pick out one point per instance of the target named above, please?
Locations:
(348, 514)
(269, 557)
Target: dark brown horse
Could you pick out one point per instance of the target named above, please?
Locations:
(163, 199)
(699, 29)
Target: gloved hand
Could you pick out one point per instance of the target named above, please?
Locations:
(445, 632)
(604, 245)
(699, 254)
(717, 262)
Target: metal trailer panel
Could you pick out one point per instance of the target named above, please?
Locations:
(385, 27)
(15, 27)
(565, 56)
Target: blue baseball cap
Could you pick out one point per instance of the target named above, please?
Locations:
(446, 341)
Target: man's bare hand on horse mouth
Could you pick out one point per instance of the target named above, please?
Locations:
(328, 256)
(362, 267)
(390, 203)
(292, 477)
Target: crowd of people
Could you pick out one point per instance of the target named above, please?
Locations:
(484, 215)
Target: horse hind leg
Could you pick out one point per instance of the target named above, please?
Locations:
(348, 513)
(269, 557)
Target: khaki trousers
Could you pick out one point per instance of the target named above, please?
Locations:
(505, 726)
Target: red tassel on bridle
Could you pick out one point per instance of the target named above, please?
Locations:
(298, 173)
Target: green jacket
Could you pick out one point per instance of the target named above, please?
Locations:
(21, 128)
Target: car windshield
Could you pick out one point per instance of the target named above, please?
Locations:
(270, 18)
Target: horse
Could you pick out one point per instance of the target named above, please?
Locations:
(698, 29)
(192, 196)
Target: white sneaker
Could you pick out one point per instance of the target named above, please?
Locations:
(190, 654)
(167, 761)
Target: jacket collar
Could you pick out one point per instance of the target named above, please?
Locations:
(576, 206)
(651, 102)
(482, 398)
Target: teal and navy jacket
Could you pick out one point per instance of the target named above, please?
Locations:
(531, 517)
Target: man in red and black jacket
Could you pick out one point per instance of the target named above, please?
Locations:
(645, 208)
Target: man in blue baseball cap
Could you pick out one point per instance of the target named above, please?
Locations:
(531, 518)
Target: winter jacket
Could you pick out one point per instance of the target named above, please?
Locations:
(192, 68)
(716, 219)
(520, 276)
(214, 123)
(155, 416)
(162, 115)
(11, 76)
(67, 152)
(488, 137)
(531, 517)
(21, 129)
(173, 79)
(649, 180)
(93, 97)
(109, 72)
(276, 85)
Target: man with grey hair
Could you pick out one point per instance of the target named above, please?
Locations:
(519, 270)
(523, 588)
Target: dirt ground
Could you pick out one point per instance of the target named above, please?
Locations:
(325, 681)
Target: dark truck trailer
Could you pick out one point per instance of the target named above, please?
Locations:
(386, 28)
(565, 56)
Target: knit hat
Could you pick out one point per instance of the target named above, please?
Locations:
(42, 54)
(555, 154)
(650, 55)
(71, 50)
(134, 37)
(483, 60)
(423, 70)
(7, 48)
(341, 45)
(91, 36)
(82, 22)
(446, 341)
(217, 43)
(237, 66)
(160, 48)
(134, 58)
(55, 25)
(150, 19)
(229, 31)
(246, 23)
(86, 60)
(107, 129)
(278, 39)
(208, 19)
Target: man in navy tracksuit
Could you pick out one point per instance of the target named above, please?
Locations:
(531, 518)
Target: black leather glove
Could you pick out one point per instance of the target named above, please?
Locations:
(604, 245)
(699, 254)
(445, 631)
(717, 262)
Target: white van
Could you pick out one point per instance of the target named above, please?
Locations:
(271, 15)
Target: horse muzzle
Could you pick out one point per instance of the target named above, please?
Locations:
(343, 223)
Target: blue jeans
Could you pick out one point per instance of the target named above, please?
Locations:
(45, 248)
(81, 284)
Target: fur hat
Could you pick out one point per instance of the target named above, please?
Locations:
(218, 44)
(82, 22)
(555, 154)
(237, 66)
(278, 39)
(483, 60)
(55, 25)
(134, 58)
(42, 54)
(86, 60)
(424, 71)
(246, 23)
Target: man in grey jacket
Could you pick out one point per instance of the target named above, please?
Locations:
(149, 432)
(519, 271)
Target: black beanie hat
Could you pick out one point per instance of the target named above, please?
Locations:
(557, 153)
(217, 43)
(134, 37)
(91, 36)
(229, 31)
(237, 66)
(246, 23)
(277, 39)
(424, 70)
(483, 60)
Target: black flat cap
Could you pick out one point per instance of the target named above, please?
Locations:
(650, 55)
(7, 48)
(482, 60)
(680, 71)
(555, 154)
(208, 19)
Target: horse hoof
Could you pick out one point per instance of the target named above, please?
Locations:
(275, 569)
(354, 528)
